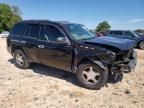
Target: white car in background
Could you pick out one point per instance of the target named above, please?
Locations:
(4, 34)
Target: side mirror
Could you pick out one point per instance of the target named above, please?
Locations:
(62, 40)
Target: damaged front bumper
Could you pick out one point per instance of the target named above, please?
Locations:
(127, 64)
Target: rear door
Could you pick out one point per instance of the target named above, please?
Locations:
(52, 53)
(30, 41)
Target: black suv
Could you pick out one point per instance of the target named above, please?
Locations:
(127, 34)
(71, 47)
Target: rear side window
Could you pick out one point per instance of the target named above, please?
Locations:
(32, 31)
(17, 29)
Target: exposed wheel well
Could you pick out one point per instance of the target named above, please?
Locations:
(139, 43)
(97, 62)
(15, 48)
(83, 61)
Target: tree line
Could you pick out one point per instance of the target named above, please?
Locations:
(9, 15)
(105, 26)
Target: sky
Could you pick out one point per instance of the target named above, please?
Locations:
(120, 14)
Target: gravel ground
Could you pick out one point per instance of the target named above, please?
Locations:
(45, 87)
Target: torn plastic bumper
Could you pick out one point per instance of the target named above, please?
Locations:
(125, 66)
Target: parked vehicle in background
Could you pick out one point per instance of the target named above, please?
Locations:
(126, 34)
(4, 34)
(71, 47)
(140, 34)
(98, 34)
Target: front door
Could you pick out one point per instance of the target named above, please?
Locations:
(52, 53)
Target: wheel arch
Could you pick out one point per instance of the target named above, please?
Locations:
(15, 47)
(139, 43)
(96, 61)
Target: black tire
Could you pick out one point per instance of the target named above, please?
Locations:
(103, 76)
(141, 45)
(25, 63)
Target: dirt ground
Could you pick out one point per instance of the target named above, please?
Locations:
(45, 87)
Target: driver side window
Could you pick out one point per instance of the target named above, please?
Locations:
(49, 33)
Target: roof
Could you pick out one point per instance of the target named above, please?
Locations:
(48, 21)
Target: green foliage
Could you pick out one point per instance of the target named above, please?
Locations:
(9, 15)
(103, 26)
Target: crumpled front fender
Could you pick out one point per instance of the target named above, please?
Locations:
(100, 65)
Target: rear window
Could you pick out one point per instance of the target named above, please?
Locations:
(17, 29)
(32, 31)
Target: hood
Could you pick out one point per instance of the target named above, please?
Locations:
(122, 44)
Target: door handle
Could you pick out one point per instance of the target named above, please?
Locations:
(41, 46)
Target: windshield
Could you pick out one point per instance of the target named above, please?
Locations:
(135, 34)
(79, 32)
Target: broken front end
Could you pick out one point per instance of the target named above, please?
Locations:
(125, 61)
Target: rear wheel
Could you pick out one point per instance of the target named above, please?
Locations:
(21, 59)
(91, 76)
(141, 45)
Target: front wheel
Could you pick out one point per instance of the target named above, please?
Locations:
(91, 76)
(21, 59)
(141, 45)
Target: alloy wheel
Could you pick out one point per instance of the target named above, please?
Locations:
(91, 75)
(19, 59)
